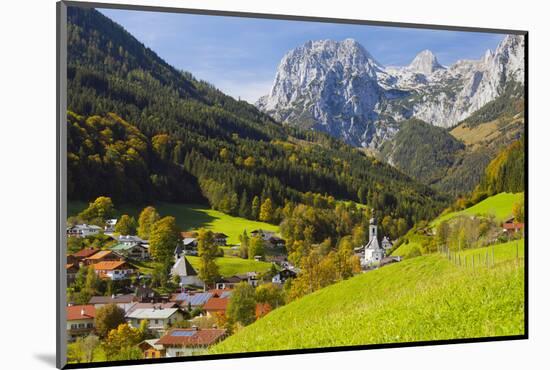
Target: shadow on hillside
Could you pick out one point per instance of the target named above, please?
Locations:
(188, 217)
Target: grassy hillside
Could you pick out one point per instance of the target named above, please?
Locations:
(234, 265)
(502, 252)
(424, 298)
(229, 266)
(499, 205)
(192, 216)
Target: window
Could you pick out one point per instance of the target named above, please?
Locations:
(74, 326)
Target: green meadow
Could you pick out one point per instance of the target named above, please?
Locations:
(228, 266)
(191, 217)
(499, 205)
(420, 299)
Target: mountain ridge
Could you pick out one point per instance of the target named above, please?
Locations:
(338, 87)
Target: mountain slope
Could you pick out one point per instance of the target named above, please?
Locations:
(339, 88)
(422, 151)
(199, 139)
(454, 169)
(421, 299)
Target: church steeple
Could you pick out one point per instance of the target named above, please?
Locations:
(373, 227)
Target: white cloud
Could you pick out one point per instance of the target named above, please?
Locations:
(250, 91)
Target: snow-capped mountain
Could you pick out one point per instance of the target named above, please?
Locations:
(339, 87)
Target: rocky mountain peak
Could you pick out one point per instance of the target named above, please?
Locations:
(425, 62)
(338, 87)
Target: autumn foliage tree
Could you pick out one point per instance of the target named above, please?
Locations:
(266, 211)
(100, 209)
(147, 218)
(163, 239)
(107, 318)
(126, 225)
(242, 305)
(208, 251)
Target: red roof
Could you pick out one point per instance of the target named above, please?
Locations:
(80, 312)
(191, 337)
(109, 265)
(216, 304)
(189, 234)
(101, 254)
(84, 253)
(513, 225)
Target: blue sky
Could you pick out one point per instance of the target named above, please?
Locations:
(240, 55)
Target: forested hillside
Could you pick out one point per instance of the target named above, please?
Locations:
(423, 151)
(455, 161)
(167, 136)
(506, 173)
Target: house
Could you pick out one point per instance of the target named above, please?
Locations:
(220, 239)
(279, 260)
(275, 242)
(110, 225)
(114, 270)
(146, 294)
(216, 306)
(136, 251)
(386, 244)
(283, 276)
(80, 321)
(83, 230)
(151, 349)
(189, 234)
(186, 272)
(71, 271)
(250, 277)
(263, 234)
(511, 227)
(130, 239)
(82, 254)
(228, 282)
(159, 306)
(158, 318)
(190, 243)
(102, 256)
(192, 300)
(188, 342)
(124, 301)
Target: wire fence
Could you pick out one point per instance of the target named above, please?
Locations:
(485, 257)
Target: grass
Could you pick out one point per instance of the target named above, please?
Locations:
(191, 217)
(230, 266)
(503, 252)
(499, 205)
(420, 299)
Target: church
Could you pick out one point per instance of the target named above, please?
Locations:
(374, 251)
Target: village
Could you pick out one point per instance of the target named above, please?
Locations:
(192, 317)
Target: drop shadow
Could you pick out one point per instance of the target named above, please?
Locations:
(46, 358)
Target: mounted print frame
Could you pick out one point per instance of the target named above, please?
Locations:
(237, 184)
